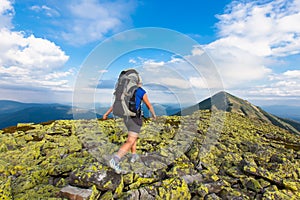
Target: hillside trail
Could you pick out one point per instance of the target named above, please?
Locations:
(101, 144)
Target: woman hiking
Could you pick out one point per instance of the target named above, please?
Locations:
(132, 123)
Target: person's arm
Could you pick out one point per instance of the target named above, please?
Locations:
(107, 113)
(149, 106)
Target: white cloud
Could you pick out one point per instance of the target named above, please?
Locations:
(58, 75)
(292, 74)
(288, 81)
(5, 7)
(153, 65)
(263, 29)
(91, 20)
(176, 79)
(198, 82)
(189, 72)
(103, 71)
(30, 52)
(197, 51)
(254, 38)
(175, 82)
(28, 63)
(50, 12)
(282, 85)
(133, 61)
(235, 65)
(6, 13)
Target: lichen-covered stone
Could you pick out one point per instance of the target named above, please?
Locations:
(6, 190)
(103, 179)
(107, 196)
(270, 195)
(253, 184)
(42, 191)
(295, 186)
(181, 157)
(212, 196)
(74, 193)
(140, 181)
(202, 190)
(174, 188)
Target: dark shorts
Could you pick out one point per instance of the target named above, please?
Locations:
(133, 124)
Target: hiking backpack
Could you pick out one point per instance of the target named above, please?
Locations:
(125, 91)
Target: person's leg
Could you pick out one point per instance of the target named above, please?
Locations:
(134, 155)
(131, 140)
(114, 162)
(133, 147)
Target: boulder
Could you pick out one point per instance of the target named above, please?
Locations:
(103, 179)
(75, 193)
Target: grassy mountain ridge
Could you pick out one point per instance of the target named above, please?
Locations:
(230, 103)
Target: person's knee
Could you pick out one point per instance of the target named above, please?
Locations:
(131, 140)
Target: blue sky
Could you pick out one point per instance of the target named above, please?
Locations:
(254, 45)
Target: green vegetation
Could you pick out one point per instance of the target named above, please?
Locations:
(227, 102)
(248, 158)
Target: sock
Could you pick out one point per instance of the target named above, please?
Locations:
(116, 159)
(121, 153)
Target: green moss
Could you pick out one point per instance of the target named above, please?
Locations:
(108, 185)
(202, 190)
(128, 178)
(38, 192)
(214, 177)
(119, 189)
(253, 184)
(252, 169)
(235, 172)
(274, 195)
(107, 196)
(174, 188)
(6, 190)
(140, 181)
(61, 183)
(95, 193)
(291, 185)
(3, 148)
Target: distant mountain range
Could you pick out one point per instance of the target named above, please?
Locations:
(284, 111)
(12, 113)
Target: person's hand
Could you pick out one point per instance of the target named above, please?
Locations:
(154, 117)
(104, 117)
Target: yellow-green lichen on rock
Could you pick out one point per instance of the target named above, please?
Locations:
(174, 188)
(5, 189)
(249, 158)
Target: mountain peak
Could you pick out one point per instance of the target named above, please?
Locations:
(230, 103)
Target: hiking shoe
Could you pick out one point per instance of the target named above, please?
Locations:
(115, 166)
(134, 158)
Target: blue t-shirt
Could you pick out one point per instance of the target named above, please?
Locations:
(140, 92)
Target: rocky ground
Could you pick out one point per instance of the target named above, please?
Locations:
(201, 156)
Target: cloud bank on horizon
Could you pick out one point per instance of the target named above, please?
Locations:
(256, 49)
(254, 40)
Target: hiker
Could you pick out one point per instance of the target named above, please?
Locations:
(133, 123)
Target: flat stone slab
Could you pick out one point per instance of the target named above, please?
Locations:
(75, 193)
